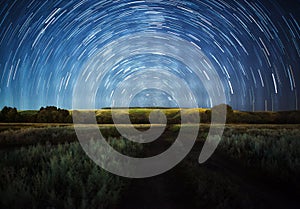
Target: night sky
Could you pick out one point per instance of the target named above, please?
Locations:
(151, 47)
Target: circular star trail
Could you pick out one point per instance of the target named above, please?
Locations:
(253, 46)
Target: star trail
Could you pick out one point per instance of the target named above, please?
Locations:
(252, 46)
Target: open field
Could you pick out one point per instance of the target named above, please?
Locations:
(32, 133)
(53, 114)
(254, 166)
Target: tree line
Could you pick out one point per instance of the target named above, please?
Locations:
(52, 114)
(49, 114)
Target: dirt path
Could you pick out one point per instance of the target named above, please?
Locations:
(164, 191)
(269, 191)
(160, 192)
(169, 191)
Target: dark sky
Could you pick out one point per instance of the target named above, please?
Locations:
(157, 53)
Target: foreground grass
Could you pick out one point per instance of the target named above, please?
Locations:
(52, 171)
(47, 176)
(245, 169)
(275, 152)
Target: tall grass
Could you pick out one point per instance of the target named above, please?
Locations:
(273, 151)
(62, 176)
(32, 136)
(267, 156)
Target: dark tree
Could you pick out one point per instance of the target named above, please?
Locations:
(10, 114)
(52, 114)
(1, 117)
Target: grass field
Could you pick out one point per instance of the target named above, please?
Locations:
(140, 115)
(61, 176)
(254, 166)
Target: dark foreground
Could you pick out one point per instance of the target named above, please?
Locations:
(253, 167)
(219, 183)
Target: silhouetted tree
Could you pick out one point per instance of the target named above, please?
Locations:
(10, 114)
(1, 117)
(5, 110)
(52, 114)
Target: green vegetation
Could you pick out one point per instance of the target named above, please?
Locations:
(276, 152)
(141, 115)
(212, 188)
(62, 176)
(32, 136)
(267, 156)
(9, 114)
(18, 135)
(43, 165)
(49, 114)
(258, 167)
